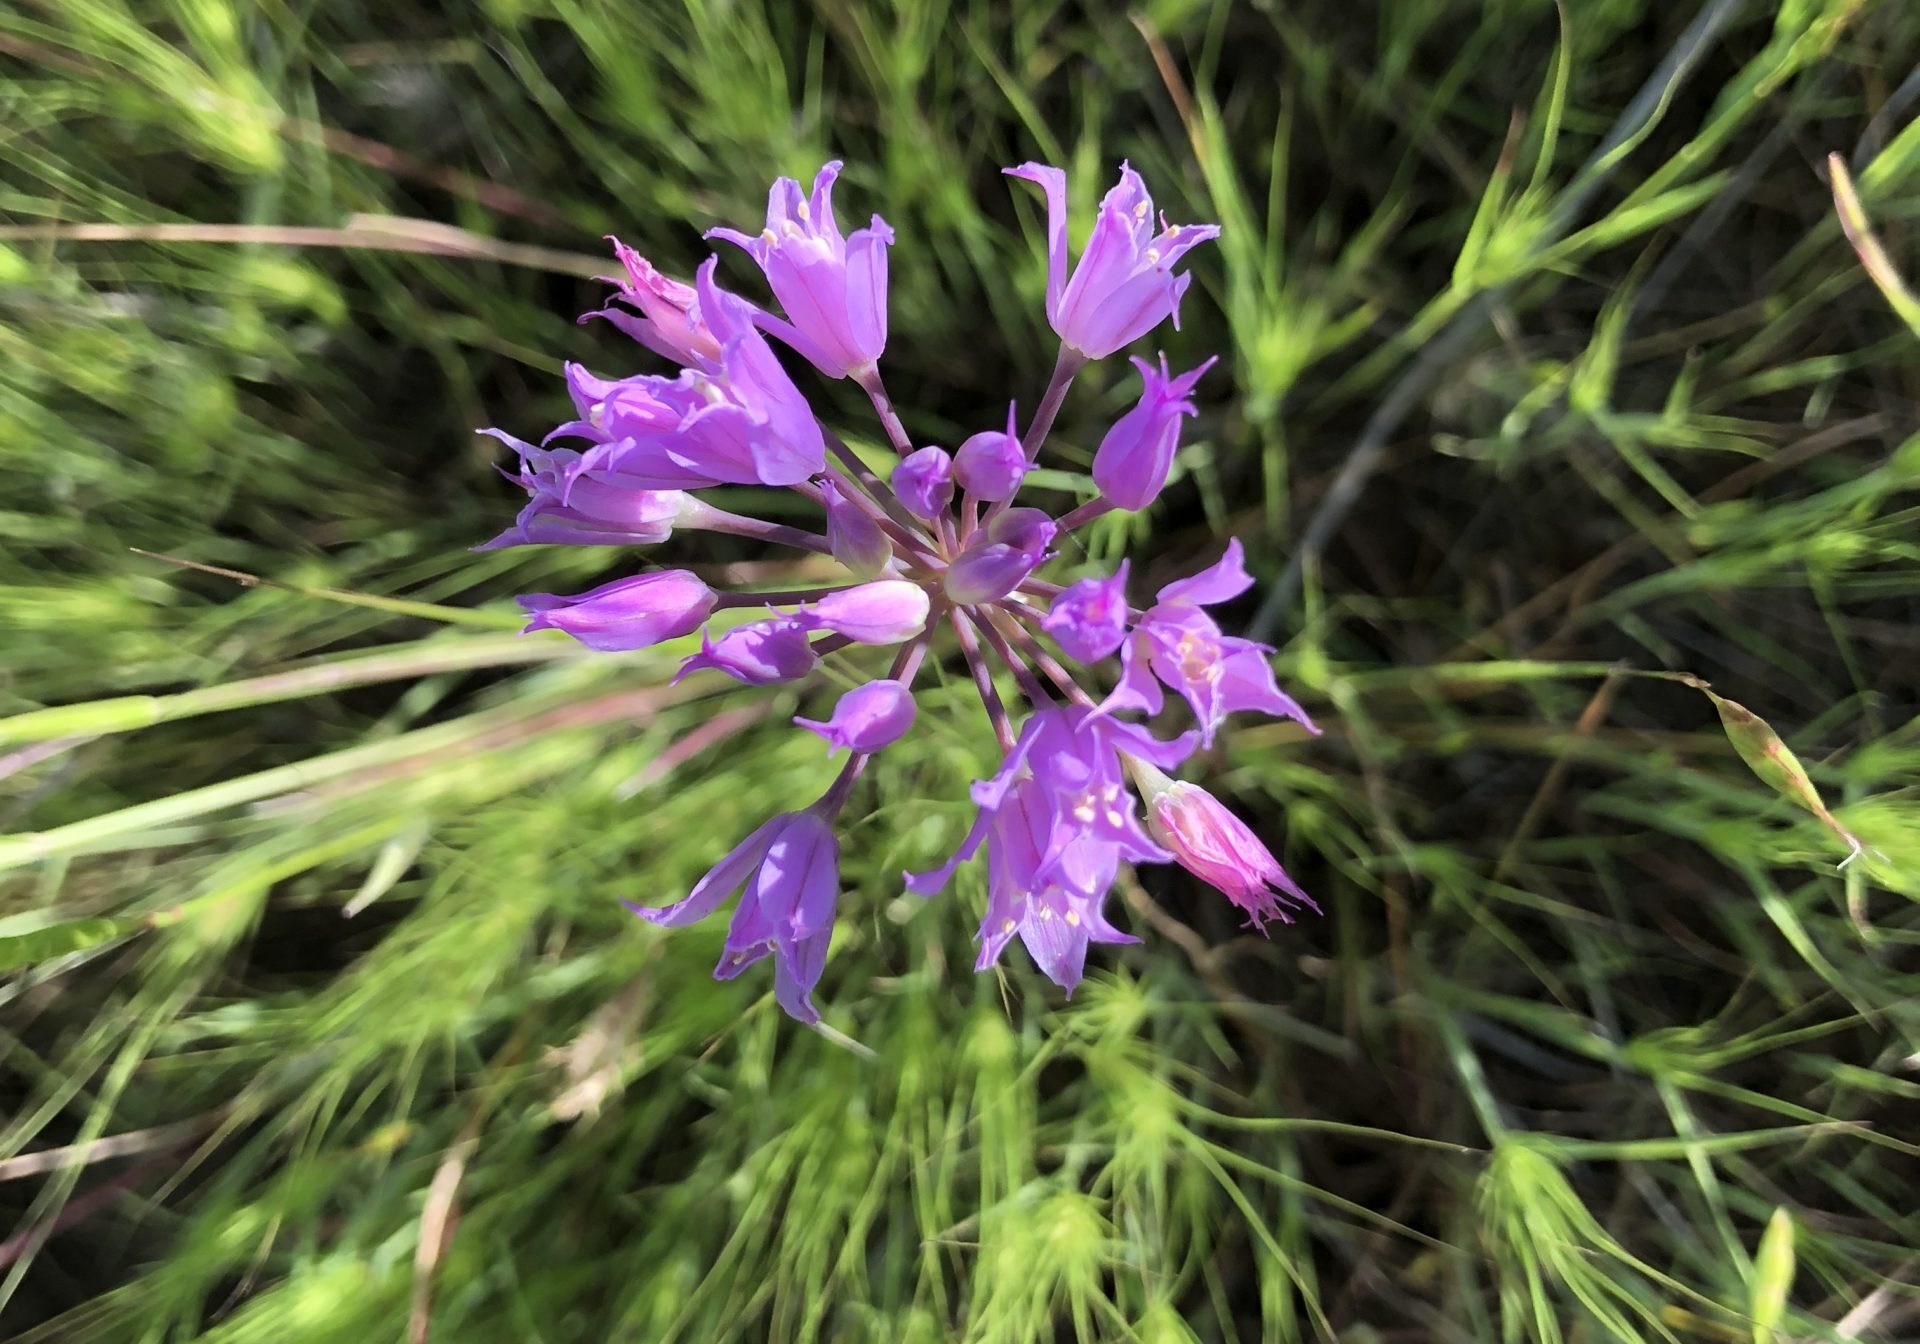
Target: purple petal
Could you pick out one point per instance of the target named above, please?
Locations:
(1222, 581)
(822, 203)
(799, 879)
(1138, 689)
(1058, 948)
(1110, 260)
(721, 881)
(1053, 182)
(1089, 618)
(1128, 197)
(1247, 683)
(796, 970)
(866, 285)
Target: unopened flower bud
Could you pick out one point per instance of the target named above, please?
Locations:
(633, 613)
(991, 465)
(873, 613)
(853, 536)
(1216, 846)
(867, 717)
(1000, 557)
(924, 482)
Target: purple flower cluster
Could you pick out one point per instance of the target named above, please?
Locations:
(1081, 790)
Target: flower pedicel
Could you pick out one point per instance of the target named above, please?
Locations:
(943, 544)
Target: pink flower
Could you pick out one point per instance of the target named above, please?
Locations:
(1216, 846)
(1124, 285)
(1180, 646)
(669, 323)
(834, 289)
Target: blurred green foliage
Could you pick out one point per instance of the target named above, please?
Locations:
(321, 1019)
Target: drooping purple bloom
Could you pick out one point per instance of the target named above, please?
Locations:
(1046, 903)
(1133, 460)
(867, 717)
(790, 868)
(1000, 556)
(669, 322)
(885, 612)
(736, 419)
(1179, 644)
(569, 506)
(1089, 618)
(759, 653)
(853, 537)
(633, 613)
(1124, 285)
(1058, 819)
(991, 464)
(834, 289)
(923, 481)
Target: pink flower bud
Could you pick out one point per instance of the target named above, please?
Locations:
(633, 613)
(867, 717)
(853, 536)
(1000, 557)
(759, 653)
(991, 465)
(874, 613)
(924, 482)
(1217, 847)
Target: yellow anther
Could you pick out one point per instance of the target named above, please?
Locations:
(1073, 918)
(1196, 658)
